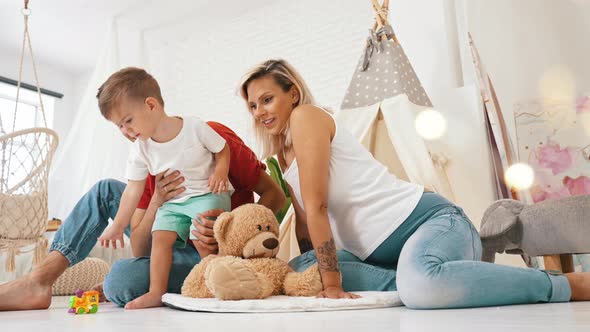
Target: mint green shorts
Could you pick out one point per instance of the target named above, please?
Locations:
(176, 217)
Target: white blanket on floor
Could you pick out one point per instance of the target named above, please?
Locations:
(369, 300)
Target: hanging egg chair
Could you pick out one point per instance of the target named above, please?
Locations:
(25, 160)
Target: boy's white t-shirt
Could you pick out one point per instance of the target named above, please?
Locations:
(191, 152)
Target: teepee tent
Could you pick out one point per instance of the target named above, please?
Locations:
(380, 106)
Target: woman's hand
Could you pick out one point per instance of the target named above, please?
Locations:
(336, 293)
(167, 187)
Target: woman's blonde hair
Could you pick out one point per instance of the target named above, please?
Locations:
(286, 77)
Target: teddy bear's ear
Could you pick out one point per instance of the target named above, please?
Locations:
(221, 225)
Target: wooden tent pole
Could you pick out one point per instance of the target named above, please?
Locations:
(381, 12)
(379, 20)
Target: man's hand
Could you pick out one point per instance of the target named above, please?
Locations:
(206, 243)
(112, 234)
(167, 187)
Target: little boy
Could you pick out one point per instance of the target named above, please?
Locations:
(131, 99)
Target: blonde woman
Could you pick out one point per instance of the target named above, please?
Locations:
(394, 235)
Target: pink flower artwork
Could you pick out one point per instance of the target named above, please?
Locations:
(539, 194)
(577, 186)
(558, 160)
(583, 104)
(557, 151)
(547, 186)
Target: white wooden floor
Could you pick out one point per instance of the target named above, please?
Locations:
(523, 318)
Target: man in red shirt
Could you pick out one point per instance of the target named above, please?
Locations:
(129, 278)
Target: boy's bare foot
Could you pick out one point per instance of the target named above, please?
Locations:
(580, 285)
(147, 300)
(25, 293)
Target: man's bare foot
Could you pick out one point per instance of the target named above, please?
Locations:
(99, 289)
(580, 285)
(147, 300)
(25, 293)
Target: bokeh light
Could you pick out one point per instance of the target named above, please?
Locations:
(430, 124)
(520, 176)
(557, 83)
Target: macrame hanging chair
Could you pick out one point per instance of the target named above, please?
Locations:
(380, 106)
(25, 160)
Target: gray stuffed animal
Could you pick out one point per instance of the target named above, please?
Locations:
(546, 228)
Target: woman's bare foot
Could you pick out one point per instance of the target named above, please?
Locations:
(147, 300)
(25, 293)
(580, 285)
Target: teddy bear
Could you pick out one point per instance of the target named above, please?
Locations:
(246, 266)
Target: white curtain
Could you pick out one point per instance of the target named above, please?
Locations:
(93, 149)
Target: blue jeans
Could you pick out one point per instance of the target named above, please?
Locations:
(436, 254)
(128, 278)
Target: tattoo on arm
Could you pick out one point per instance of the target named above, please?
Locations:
(326, 255)
(305, 245)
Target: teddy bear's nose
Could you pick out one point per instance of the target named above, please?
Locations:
(270, 243)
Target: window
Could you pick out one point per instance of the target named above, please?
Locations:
(29, 110)
(22, 155)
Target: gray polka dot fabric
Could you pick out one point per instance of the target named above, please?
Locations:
(389, 73)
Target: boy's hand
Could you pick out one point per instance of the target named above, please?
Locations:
(112, 234)
(218, 182)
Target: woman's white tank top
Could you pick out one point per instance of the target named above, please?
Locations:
(366, 203)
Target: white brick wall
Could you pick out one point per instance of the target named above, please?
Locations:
(199, 68)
